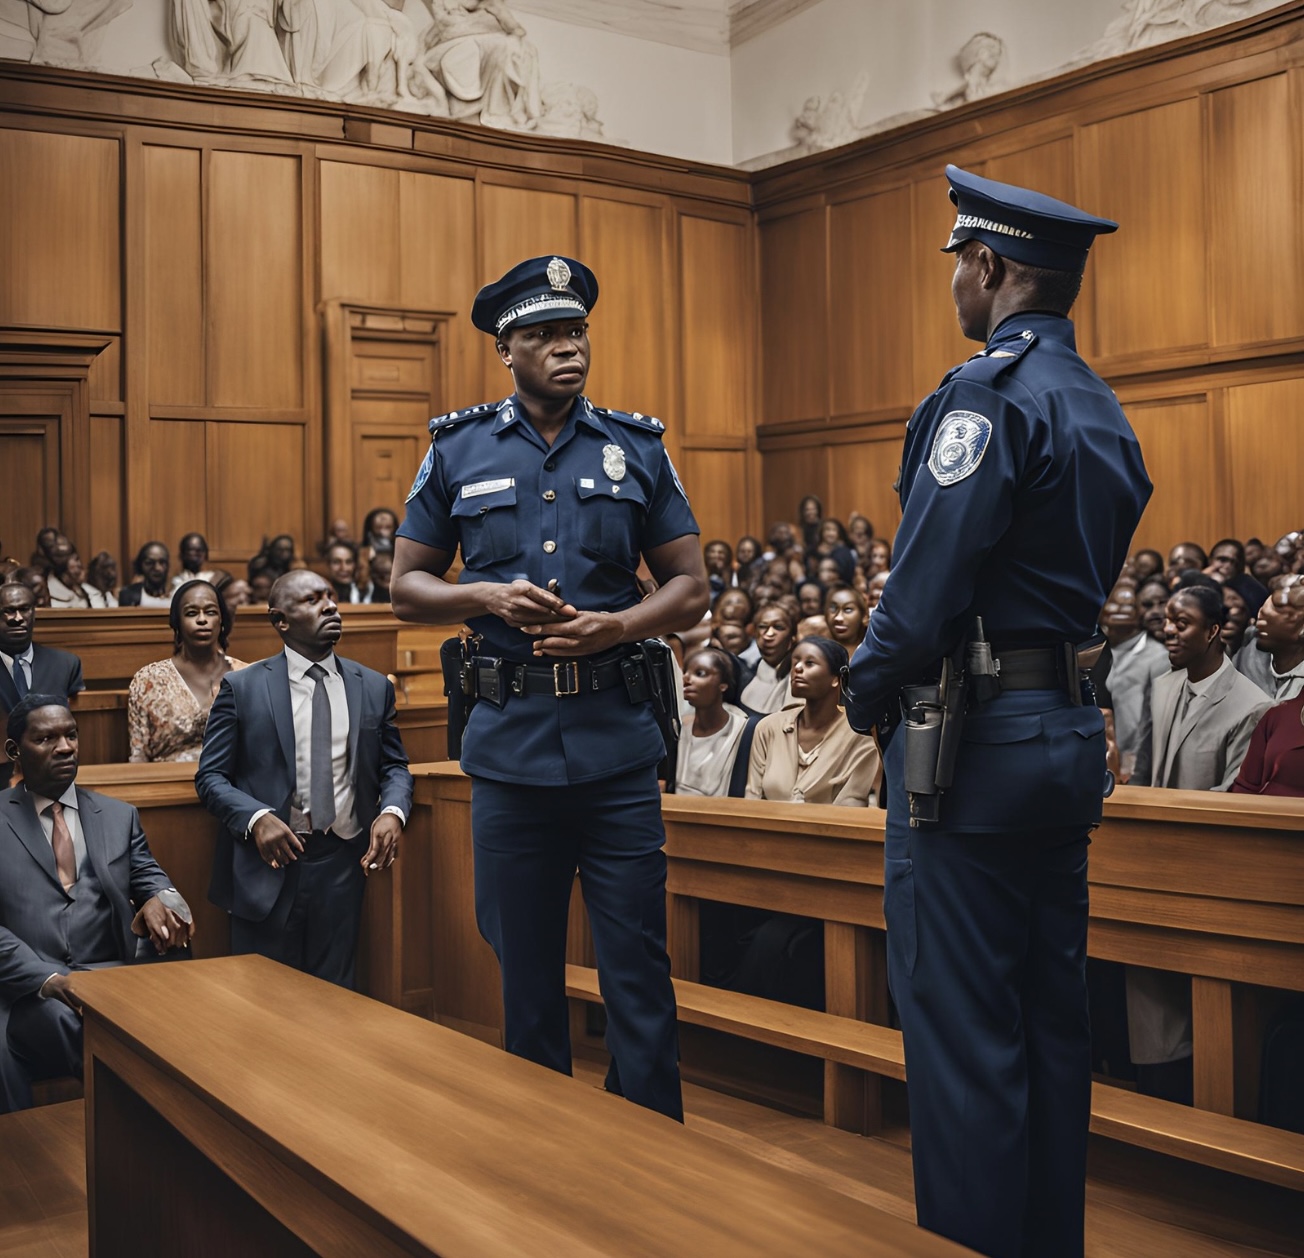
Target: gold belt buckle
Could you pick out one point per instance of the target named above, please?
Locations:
(566, 678)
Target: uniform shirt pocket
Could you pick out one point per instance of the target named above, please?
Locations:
(611, 520)
(487, 526)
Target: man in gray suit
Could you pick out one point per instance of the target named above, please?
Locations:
(73, 867)
(304, 767)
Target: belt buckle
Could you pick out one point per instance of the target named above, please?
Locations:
(566, 678)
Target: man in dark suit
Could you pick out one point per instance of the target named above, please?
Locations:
(73, 866)
(27, 665)
(304, 767)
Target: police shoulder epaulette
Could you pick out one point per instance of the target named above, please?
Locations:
(988, 365)
(634, 419)
(441, 422)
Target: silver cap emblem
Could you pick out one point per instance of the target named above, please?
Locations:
(559, 273)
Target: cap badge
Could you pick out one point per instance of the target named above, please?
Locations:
(559, 274)
(613, 462)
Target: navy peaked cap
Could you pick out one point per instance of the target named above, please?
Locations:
(1021, 225)
(535, 291)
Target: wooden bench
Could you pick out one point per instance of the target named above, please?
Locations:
(1228, 1144)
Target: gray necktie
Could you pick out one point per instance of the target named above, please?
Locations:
(321, 795)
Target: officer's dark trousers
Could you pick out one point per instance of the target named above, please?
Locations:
(987, 939)
(529, 841)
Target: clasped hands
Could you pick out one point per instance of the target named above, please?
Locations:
(557, 627)
(278, 845)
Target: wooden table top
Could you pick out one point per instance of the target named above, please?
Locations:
(459, 1148)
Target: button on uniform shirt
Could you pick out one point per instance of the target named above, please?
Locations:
(581, 511)
(301, 691)
(23, 661)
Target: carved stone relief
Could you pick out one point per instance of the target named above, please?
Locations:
(982, 66)
(56, 32)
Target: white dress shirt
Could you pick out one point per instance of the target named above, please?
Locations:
(71, 816)
(25, 659)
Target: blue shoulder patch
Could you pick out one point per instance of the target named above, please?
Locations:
(457, 417)
(634, 419)
(959, 446)
(423, 473)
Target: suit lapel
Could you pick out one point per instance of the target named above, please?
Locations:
(26, 825)
(93, 836)
(278, 696)
(1200, 707)
(1170, 697)
(352, 675)
(8, 694)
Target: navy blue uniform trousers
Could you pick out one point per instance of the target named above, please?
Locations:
(529, 841)
(987, 942)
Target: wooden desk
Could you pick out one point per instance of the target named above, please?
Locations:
(237, 1107)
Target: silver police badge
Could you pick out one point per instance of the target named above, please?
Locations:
(959, 446)
(559, 273)
(613, 462)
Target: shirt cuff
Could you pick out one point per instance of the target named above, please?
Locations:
(253, 821)
(397, 811)
(41, 990)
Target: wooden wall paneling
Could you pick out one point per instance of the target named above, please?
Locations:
(255, 289)
(29, 454)
(635, 359)
(1180, 447)
(105, 378)
(174, 274)
(360, 248)
(1265, 445)
(870, 302)
(788, 475)
(255, 486)
(861, 476)
(517, 223)
(1146, 171)
(938, 342)
(60, 259)
(1254, 235)
(794, 322)
(179, 500)
(716, 483)
(106, 498)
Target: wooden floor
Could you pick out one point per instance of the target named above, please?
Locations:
(1138, 1205)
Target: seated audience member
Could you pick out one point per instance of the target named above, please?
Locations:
(304, 768)
(44, 541)
(810, 598)
(72, 866)
(778, 573)
(736, 606)
(1274, 764)
(342, 563)
(277, 556)
(747, 555)
(847, 614)
(235, 593)
(1238, 621)
(779, 541)
(151, 588)
(168, 701)
(1279, 636)
(718, 557)
(1183, 556)
(833, 543)
(1146, 564)
(861, 533)
(29, 668)
(1152, 602)
(1136, 659)
(1202, 713)
(64, 579)
(101, 583)
(382, 568)
(874, 590)
(193, 553)
(810, 515)
(809, 754)
(378, 529)
(879, 558)
(830, 572)
(811, 627)
(339, 532)
(34, 580)
(730, 636)
(773, 630)
(1227, 566)
(716, 741)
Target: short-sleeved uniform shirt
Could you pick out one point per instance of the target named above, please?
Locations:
(1021, 485)
(582, 512)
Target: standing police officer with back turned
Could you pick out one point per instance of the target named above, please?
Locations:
(553, 501)
(1021, 485)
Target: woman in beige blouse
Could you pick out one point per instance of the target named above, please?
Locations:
(810, 755)
(169, 701)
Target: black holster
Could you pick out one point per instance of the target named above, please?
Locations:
(932, 722)
(455, 656)
(656, 663)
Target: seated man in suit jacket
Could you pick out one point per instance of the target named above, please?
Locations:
(27, 665)
(304, 767)
(78, 885)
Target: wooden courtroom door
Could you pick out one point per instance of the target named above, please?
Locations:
(29, 454)
(385, 379)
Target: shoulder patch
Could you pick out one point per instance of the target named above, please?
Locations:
(988, 365)
(634, 419)
(959, 446)
(423, 473)
(457, 417)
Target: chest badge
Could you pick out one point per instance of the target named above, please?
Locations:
(613, 462)
(959, 446)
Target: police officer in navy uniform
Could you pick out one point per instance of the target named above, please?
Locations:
(553, 501)
(1021, 485)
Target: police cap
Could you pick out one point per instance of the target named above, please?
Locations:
(535, 291)
(1021, 225)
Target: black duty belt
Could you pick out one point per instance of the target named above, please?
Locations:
(1034, 668)
(495, 679)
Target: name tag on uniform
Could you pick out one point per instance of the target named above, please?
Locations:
(586, 482)
(487, 487)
